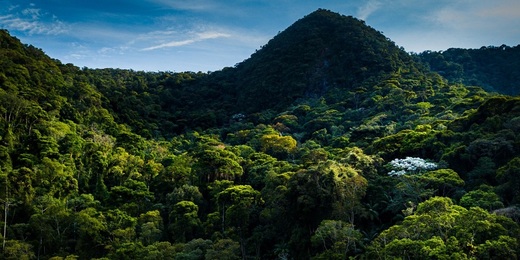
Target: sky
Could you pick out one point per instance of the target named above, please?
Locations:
(208, 35)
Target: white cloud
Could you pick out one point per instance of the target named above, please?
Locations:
(34, 13)
(76, 56)
(369, 8)
(32, 21)
(478, 16)
(192, 5)
(196, 38)
(12, 7)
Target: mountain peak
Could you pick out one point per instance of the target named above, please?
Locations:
(322, 51)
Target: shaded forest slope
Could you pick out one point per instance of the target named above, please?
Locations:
(495, 69)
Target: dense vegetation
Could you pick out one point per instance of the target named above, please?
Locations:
(328, 142)
(495, 69)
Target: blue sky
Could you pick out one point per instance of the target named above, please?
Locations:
(208, 35)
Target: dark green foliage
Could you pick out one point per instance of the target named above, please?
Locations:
(280, 157)
(493, 68)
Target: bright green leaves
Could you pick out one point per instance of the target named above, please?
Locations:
(133, 196)
(439, 227)
(55, 178)
(150, 227)
(236, 205)
(444, 181)
(277, 145)
(216, 163)
(483, 197)
(238, 208)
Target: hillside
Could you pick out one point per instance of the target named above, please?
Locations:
(329, 142)
(495, 69)
(327, 53)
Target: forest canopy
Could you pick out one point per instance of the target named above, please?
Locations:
(327, 143)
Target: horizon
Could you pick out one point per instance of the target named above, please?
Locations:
(209, 35)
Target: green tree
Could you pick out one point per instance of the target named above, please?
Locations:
(440, 228)
(216, 163)
(444, 181)
(336, 239)
(18, 250)
(54, 178)
(483, 197)
(224, 249)
(194, 249)
(92, 229)
(277, 145)
(150, 227)
(185, 193)
(52, 223)
(508, 176)
(177, 171)
(238, 205)
(184, 221)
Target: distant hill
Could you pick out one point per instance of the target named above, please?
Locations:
(320, 53)
(496, 69)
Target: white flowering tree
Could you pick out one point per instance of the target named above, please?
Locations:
(419, 180)
(410, 165)
(410, 188)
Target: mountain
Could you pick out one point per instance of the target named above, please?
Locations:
(324, 55)
(329, 142)
(495, 69)
(321, 52)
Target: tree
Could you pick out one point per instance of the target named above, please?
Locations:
(277, 145)
(410, 165)
(508, 176)
(444, 181)
(412, 182)
(52, 223)
(237, 205)
(216, 163)
(184, 221)
(193, 249)
(54, 178)
(224, 249)
(483, 197)
(150, 227)
(133, 196)
(92, 229)
(177, 171)
(18, 250)
(336, 239)
(440, 228)
(185, 193)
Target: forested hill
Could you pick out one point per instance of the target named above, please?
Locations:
(494, 68)
(321, 55)
(329, 142)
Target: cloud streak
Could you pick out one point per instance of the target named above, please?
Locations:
(32, 21)
(193, 5)
(366, 10)
(478, 16)
(197, 38)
